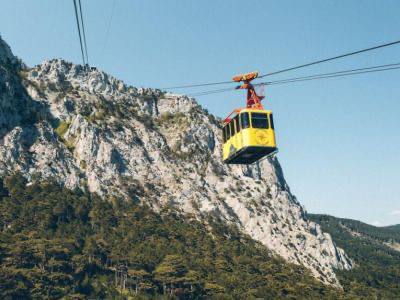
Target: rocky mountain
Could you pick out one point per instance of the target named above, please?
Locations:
(84, 128)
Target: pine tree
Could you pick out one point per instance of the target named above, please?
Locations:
(170, 271)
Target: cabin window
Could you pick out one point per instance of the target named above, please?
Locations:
(227, 132)
(259, 120)
(271, 121)
(237, 123)
(232, 127)
(224, 134)
(244, 119)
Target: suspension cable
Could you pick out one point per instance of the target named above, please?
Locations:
(327, 74)
(331, 58)
(79, 31)
(350, 72)
(83, 31)
(334, 76)
(108, 27)
(291, 68)
(211, 92)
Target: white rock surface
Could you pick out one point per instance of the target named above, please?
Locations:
(142, 144)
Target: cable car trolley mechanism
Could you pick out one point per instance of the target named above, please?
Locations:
(248, 133)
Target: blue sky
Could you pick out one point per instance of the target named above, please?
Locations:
(338, 138)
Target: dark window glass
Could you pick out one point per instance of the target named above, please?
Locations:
(244, 119)
(259, 120)
(224, 134)
(232, 127)
(227, 132)
(271, 121)
(237, 123)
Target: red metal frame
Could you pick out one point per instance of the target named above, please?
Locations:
(253, 100)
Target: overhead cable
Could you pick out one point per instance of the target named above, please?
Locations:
(212, 92)
(108, 27)
(196, 85)
(302, 78)
(83, 31)
(79, 32)
(291, 68)
(333, 76)
(331, 58)
(343, 73)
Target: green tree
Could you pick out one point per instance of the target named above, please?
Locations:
(139, 277)
(213, 289)
(192, 279)
(170, 271)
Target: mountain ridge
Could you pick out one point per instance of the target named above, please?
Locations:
(394, 227)
(375, 252)
(359, 228)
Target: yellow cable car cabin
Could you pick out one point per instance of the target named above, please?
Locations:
(248, 137)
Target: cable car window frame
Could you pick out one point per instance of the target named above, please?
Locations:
(271, 121)
(224, 134)
(237, 123)
(227, 132)
(245, 116)
(232, 128)
(261, 117)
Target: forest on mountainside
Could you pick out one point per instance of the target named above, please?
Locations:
(58, 243)
(377, 266)
(394, 227)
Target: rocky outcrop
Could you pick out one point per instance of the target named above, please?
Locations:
(87, 129)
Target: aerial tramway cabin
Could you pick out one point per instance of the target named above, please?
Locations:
(248, 133)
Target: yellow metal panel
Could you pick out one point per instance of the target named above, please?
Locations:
(249, 137)
(259, 137)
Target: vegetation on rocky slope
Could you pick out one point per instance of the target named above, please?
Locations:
(377, 271)
(58, 243)
(394, 227)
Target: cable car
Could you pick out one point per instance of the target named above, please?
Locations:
(248, 133)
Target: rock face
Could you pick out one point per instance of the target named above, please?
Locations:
(87, 129)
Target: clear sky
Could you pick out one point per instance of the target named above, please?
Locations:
(338, 138)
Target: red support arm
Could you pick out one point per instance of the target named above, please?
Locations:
(253, 100)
